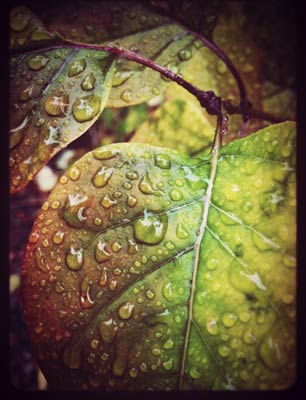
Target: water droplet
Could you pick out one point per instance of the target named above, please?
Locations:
(37, 62)
(249, 336)
(244, 316)
(102, 154)
(132, 175)
(26, 94)
(107, 201)
(151, 229)
(102, 254)
(194, 373)
(168, 291)
(19, 22)
(289, 261)
(131, 201)
(212, 326)
(170, 246)
(63, 179)
(41, 260)
(184, 54)
(162, 161)
(58, 237)
(168, 344)
(146, 186)
(74, 173)
(119, 364)
(97, 221)
(103, 278)
(150, 294)
(132, 246)
(39, 35)
(224, 351)
(86, 108)
(55, 204)
(59, 288)
(108, 330)
(273, 350)
(181, 232)
(126, 95)
(176, 195)
(102, 176)
(74, 259)
(39, 328)
(72, 359)
(76, 67)
(126, 310)
(88, 83)
(85, 299)
(116, 246)
(229, 319)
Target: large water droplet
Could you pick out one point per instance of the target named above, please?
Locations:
(126, 310)
(162, 161)
(181, 232)
(89, 82)
(272, 350)
(151, 229)
(102, 176)
(168, 291)
(86, 108)
(76, 67)
(75, 259)
(37, 62)
(102, 154)
(85, 299)
(108, 330)
(19, 22)
(72, 359)
(41, 260)
(102, 254)
(56, 106)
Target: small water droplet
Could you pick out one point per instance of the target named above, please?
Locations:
(168, 344)
(132, 175)
(249, 336)
(39, 328)
(103, 278)
(89, 82)
(112, 284)
(289, 261)
(168, 291)
(126, 310)
(126, 95)
(212, 326)
(74, 173)
(116, 246)
(76, 67)
(108, 330)
(75, 259)
(150, 294)
(229, 319)
(184, 54)
(102, 176)
(224, 350)
(273, 350)
(131, 201)
(176, 195)
(58, 237)
(97, 221)
(151, 229)
(102, 254)
(132, 246)
(194, 373)
(181, 232)
(107, 201)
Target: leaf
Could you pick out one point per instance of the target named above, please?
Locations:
(147, 269)
(179, 123)
(26, 30)
(56, 96)
(133, 26)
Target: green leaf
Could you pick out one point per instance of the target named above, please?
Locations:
(147, 269)
(133, 26)
(179, 123)
(56, 96)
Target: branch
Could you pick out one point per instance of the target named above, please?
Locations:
(207, 99)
